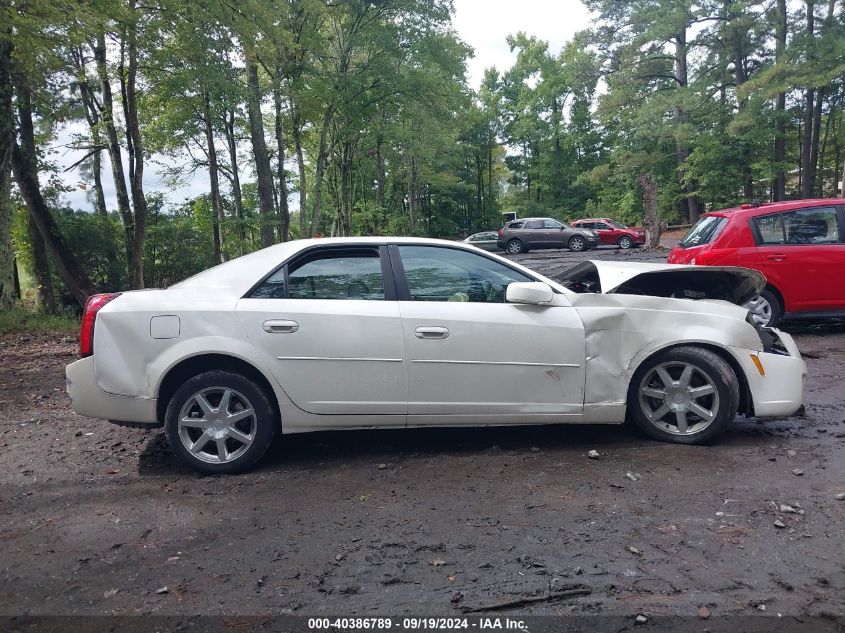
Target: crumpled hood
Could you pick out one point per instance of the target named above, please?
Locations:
(727, 283)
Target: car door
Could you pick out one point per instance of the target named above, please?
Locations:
(327, 325)
(607, 234)
(536, 235)
(470, 353)
(555, 235)
(802, 254)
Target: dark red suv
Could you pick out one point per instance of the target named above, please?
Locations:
(612, 232)
(798, 245)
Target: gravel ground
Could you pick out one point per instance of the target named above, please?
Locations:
(97, 519)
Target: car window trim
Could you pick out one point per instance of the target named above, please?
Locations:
(839, 214)
(403, 290)
(309, 252)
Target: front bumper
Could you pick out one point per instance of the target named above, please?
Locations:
(780, 391)
(86, 397)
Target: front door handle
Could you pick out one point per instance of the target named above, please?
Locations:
(280, 326)
(777, 257)
(433, 332)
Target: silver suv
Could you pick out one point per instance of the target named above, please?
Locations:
(519, 236)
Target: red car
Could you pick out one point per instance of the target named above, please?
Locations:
(612, 233)
(798, 245)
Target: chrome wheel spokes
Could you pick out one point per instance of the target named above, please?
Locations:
(217, 424)
(679, 398)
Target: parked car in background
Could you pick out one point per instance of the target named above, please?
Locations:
(797, 245)
(522, 235)
(485, 240)
(392, 332)
(613, 233)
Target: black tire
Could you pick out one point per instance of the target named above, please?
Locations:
(265, 420)
(515, 247)
(577, 244)
(625, 242)
(775, 308)
(710, 369)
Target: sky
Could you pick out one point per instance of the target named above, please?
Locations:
(482, 24)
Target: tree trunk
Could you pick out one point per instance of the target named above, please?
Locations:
(807, 177)
(115, 152)
(213, 176)
(814, 147)
(8, 294)
(284, 211)
(41, 269)
(412, 194)
(379, 214)
(651, 222)
(136, 148)
(26, 177)
(237, 195)
(345, 215)
(320, 170)
(689, 205)
(300, 163)
(779, 184)
(264, 174)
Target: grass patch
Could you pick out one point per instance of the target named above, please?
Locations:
(20, 321)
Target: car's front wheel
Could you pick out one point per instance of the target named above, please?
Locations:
(577, 243)
(515, 247)
(625, 242)
(685, 395)
(220, 422)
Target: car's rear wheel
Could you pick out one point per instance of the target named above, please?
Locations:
(515, 247)
(625, 242)
(685, 395)
(577, 243)
(766, 309)
(220, 422)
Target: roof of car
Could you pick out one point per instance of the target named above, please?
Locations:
(526, 219)
(592, 220)
(238, 275)
(774, 207)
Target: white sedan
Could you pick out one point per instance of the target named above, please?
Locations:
(398, 332)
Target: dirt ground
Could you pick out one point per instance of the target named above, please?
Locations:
(98, 519)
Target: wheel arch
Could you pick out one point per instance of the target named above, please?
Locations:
(778, 295)
(746, 403)
(197, 364)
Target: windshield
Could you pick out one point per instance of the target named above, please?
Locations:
(704, 231)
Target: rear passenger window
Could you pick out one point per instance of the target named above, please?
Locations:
(803, 226)
(515, 225)
(328, 275)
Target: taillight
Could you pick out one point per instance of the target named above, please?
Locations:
(89, 317)
(501, 231)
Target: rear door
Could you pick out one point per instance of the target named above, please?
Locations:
(327, 325)
(535, 234)
(470, 353)
(803, 255)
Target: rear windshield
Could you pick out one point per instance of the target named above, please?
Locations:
(704, 231)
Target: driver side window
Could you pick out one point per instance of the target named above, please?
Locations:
(448, 274)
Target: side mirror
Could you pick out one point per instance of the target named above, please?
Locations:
(533, 292)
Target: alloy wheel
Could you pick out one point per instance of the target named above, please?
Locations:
(217, 424)
(625, 242)
(576, 244)
(760, 309)
(679, 398)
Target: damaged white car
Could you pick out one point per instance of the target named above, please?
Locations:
(399, 332)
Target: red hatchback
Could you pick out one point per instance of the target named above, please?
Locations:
(798, 245)
(612, 232)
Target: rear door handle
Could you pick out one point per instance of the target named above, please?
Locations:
(432, 332)
(280, 326)
(777, 257)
